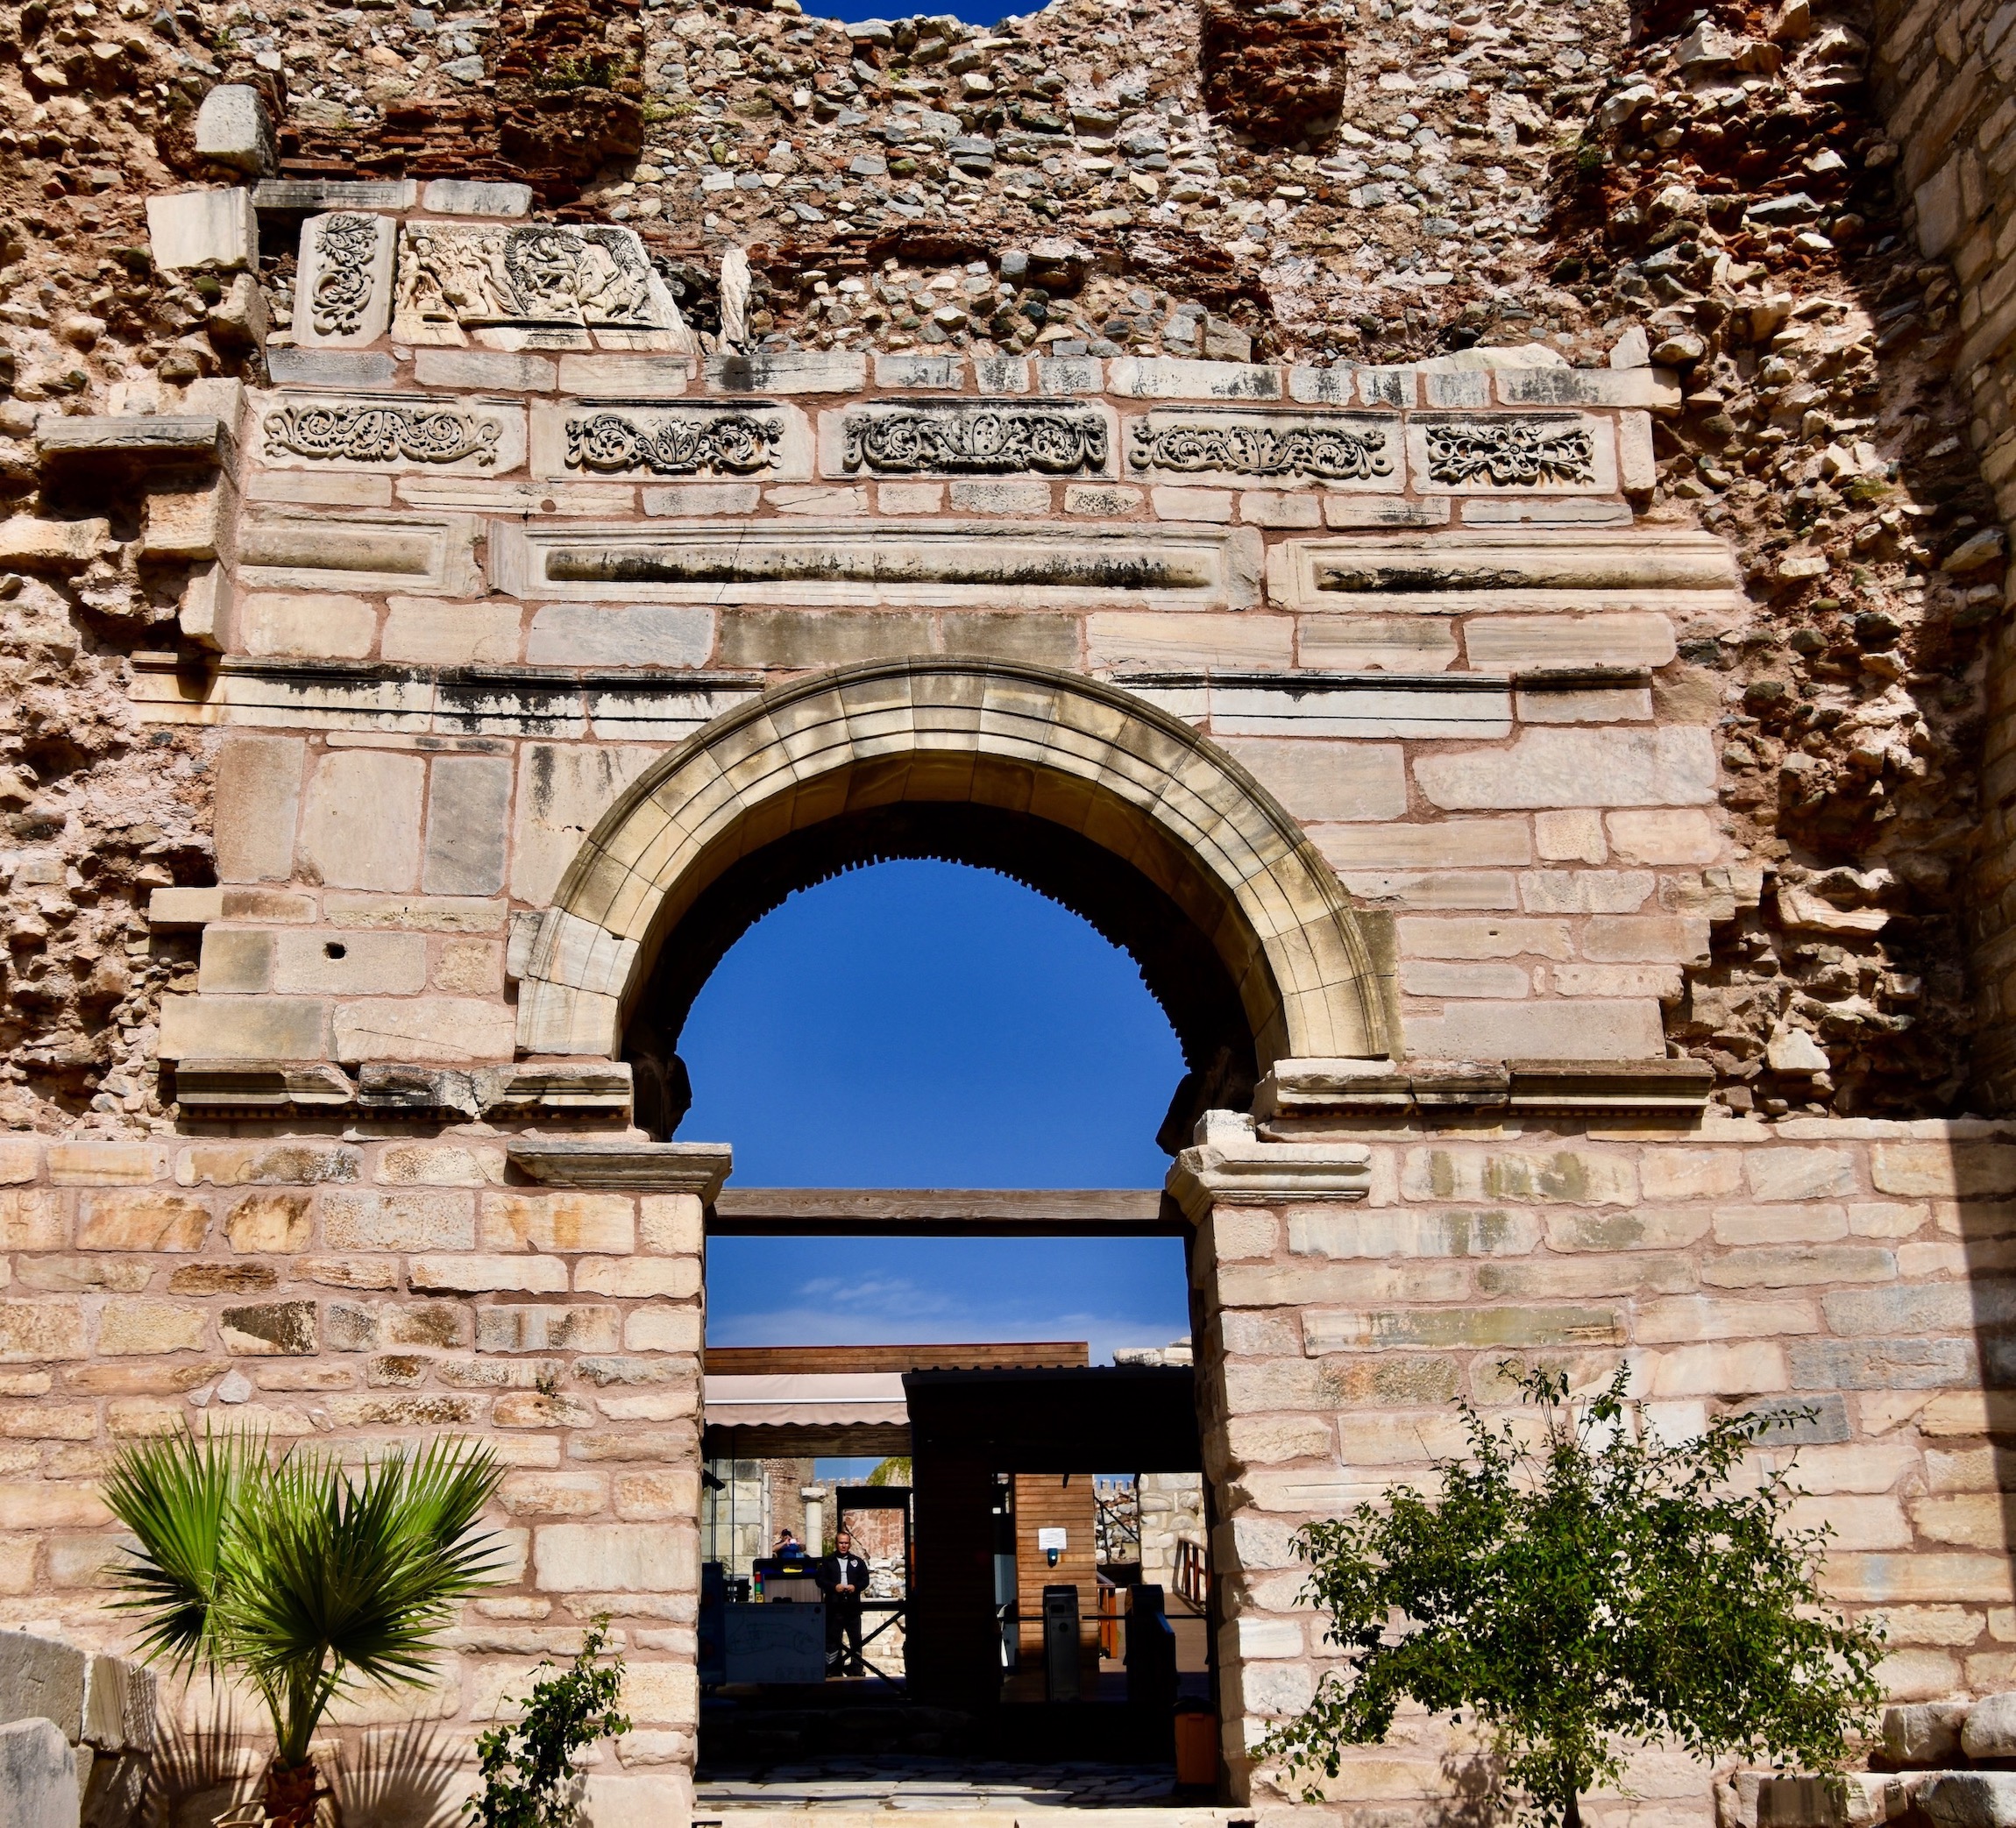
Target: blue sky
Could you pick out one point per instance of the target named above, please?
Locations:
(852, 10)
(925, 1025)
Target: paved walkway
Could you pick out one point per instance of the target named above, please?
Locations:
(856, 1785)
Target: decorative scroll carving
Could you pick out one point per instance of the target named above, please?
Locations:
(988, 440)
(732, 444)
(1331, 453)
(530, 273)
(384, 434)
(346, 250)
(1516, 454)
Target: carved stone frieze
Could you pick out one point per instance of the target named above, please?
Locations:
(391, 431)
(456, 276)
(628, 438)
(1487, 453)
(729, 444)
(968, 437)
(1234, 446)
(343, 291)
(383, 433)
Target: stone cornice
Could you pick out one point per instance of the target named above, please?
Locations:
(697, 1168)
(1229, 1165)
(1308, 1089)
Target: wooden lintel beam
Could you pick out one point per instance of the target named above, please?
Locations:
(913, 1211)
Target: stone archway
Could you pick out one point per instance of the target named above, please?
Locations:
(1312, 975)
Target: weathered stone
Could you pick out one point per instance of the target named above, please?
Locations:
(233, 128)
(1990, 1729)
(455, 1029)
(203, 227)
(258, 799)
(38, 1776)
(151, 1220)
(644, 635)
(276, 1328)
(532, 1327)
(42, 1677)
(278, 1223)
(1572, 767)
(468, 805)
(363, 1220)
(576, 1558)
(1970, 1799)
(135, 1327)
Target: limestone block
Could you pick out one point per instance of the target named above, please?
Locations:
(258, 800)
(1275, 507)
(849, 563)
(28, 544)
(142, 1219)
(290, 366)
(1144, 641)
(1941, 1170)
(628, 377)
(562, 789)
(1187, 504)
(270, 1330)
(483, 1275)
(1462, 842)
(681, 500)
(203, 227)
(206, 613)
(468, 817)
(1970, 1799)
(568, 1222)
(33, 1219)
(603, 1558)
(308, 626)
(38, 1776)
(347, 964)
(1577, 767)
(261, 1223)
(640, 1277)
(455, 1029)
(1664, 837)
(671, 1224)
(42, 1678)
(433, 634)
(237, 1028)
(1514, 643)
(788, 371)
(360, 828)
(536, 1328)
(1160, 378)
(1387, 644)
(233, 128)
(368, 1220)
(140, 1326)
(103, 1163)
(461, 197)
(660, 1329)
(633, 635)
(1608, 1028)
(1320, 780)
(496, 370)
(995, 497)
(188, 519)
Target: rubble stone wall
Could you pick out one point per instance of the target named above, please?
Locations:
(1947, 76)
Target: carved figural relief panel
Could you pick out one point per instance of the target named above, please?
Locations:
(1234, 447)
(632, 440)
(343, 291)
(968, 437)
(387, 432)
(1512, 453)
(548, 284)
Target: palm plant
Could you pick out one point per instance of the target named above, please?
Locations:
(298, 1575)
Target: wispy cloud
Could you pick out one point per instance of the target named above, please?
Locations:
(936, 1320)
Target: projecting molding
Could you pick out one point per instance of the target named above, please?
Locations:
(1229, 1165)
(818, 565)
(697, 1168)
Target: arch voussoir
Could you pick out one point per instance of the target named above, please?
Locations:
(1052, 747)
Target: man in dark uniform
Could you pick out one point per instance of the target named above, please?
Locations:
(843, 1579)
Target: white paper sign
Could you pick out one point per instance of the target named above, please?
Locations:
(1048, 1540)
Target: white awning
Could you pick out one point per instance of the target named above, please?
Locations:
(810, 1399)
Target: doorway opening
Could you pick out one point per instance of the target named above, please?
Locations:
(979, 1388)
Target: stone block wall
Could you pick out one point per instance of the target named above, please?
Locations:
(1851, 1268)
(347, 1295)
(1945, 72)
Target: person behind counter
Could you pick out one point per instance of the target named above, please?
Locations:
(789, 1549)
(843, 1579)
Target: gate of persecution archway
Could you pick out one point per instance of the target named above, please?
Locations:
(1314, 976)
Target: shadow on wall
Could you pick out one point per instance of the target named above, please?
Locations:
(1735, 192)
(400, 1777)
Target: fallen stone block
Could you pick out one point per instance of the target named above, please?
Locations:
(38, 1776)
(42, 1679)
(1990, 1731)
(1970, 1799)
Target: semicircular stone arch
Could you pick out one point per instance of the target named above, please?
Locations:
(1312, 976)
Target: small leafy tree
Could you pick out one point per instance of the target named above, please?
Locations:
(297, 1574)
(529, 1767)
(1575, 1596)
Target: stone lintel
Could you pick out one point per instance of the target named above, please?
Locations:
(1230, 1165)
(133, 441)
(258, 1089)
(310, 196)
(1316, 1088)
(1577, 678)
(697, 1168)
